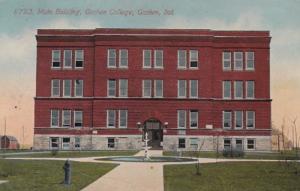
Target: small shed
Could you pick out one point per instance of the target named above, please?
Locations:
(9, 142)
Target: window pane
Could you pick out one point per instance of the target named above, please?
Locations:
(250, 60)
(54, 141)
(77, 142)
(193, 58)
(111, 142)
(111, 88)
(250, 144)
(68, 58)
(181, 118)
(158, 88)
(250, 119)
(55, 58)
(238, 89)
(123, 119)
(147, 58)
(79, 88)
(226, 89)
(111, 118)
(123, 87)
(54, 118)
(238, 119)
(194, 119)
(55, 88)
(226, 119)
(66, 118)
(111, 58)
(181, 58)
(181, 143)
(250, 89)
(78, 118)
(226, 60)
(123, 58)
(239, 144)
(146, 88)
(158, 58)
(238, 60)
(67, 88)
(227, 144)
(181, 88)
(78, 58)
(194, 88)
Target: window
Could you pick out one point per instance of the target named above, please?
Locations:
(249, 60)
(55, 58)
(78, 88)
(194, 143)
(146, 88)
(250, 89)
(193, 119)
(227, 144)
(181, 88)
(181, 143)
(181, 119)
(79, 58)
(226, 90)
(54, 118)
(54, 142)
(67, 58)
(158, 59)
(123, 58)
(111, 118)
(66, 143)
(111, 142)
(146, 58)
(123, 119)
(111, 60)
(226, 60)
(250, 119)
(238, 119)
(78, 118)
(158, 88)
(181, 63)
(123, 88)
(193, 58)
(193, 88)
(238, 89)
(239, 144)
(77, 143)
(250, 144)
(238, 60)
(111, 88)
(227, 119)
(67, 88)
(66, 118)
(55, 88)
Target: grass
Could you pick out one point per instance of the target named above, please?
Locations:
(43, 175)
(246, 176)
(289, 155)
(70, 154)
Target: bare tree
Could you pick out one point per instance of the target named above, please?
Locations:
(198, 155)
(282, 133)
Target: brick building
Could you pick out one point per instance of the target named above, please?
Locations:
(192, 88)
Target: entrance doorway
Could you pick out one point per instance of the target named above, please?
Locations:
(155, 133)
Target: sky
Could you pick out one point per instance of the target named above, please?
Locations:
(19, 21)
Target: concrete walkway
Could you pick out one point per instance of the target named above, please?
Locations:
(132, 177)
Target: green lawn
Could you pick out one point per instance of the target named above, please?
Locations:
(290, 155)
(246, 176)
(70, 154)
(40, 175)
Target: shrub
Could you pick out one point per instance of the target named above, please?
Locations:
(233, 153)
(54, 152)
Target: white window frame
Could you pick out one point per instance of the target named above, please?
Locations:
(162, 59)
(58, 143)
(224, 120)
(235, 90)
(109, 144)
(230, 144)
(247, 113)
(126, 88)
(190, 92)
(52, 59)
(247, 85)
(155, 89)
(107, 118)
(120, 58)
(76, 142)
(224, 89)
(76, 59)
(181, 138)
(63, 118)
(78, 111)
(178, 59)
(52, 88)
(126, 118)
(75, 88)
(235, 120)
(192, 60)
(64, 66)
(51, 117)
(197, 119)
(178, 89)
(247, 60)
(64, 85)
(67, 143)
(108, 88)
(149, 58)
(242, 146)
(254, 143)
(143, 88)
(236, 60)
(109, 56)
(226, 60)
(178, 118)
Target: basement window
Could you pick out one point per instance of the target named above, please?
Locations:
(111, 142)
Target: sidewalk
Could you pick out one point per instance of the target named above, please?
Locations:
(132, 177)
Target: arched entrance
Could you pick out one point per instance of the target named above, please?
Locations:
(155, 133)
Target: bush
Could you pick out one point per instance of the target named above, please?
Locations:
(54, 152)
(233, 153)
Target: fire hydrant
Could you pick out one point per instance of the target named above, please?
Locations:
(67, 169)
